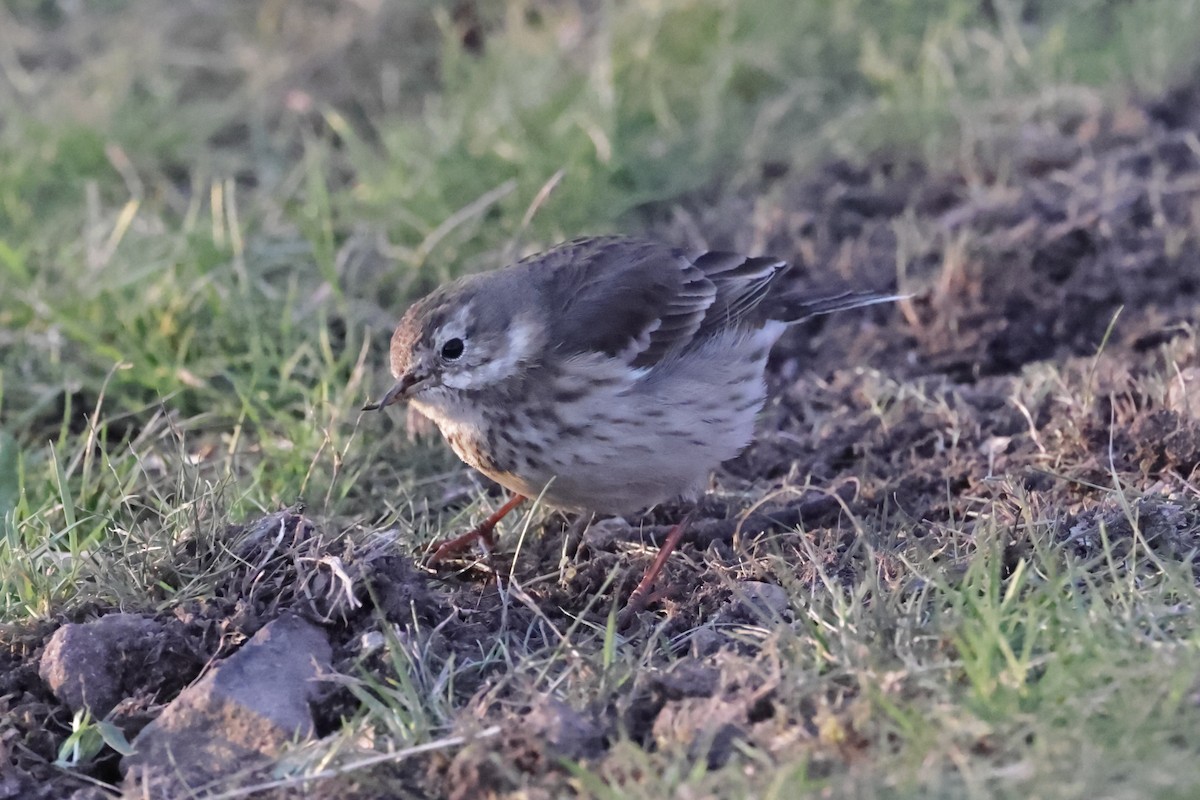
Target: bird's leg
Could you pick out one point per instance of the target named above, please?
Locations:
(483, 531)
(641, 594)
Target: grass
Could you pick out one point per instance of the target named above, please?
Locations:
(208, 226)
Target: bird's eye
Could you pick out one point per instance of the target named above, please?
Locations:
(452, 349)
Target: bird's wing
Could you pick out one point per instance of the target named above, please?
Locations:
(742, 284)
(640, 301)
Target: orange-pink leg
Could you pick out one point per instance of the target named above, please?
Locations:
(482, 532)
(641, 594)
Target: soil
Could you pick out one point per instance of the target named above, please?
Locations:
(1074, 238)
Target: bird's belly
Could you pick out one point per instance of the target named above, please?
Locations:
(614, 441)
(633, 447)
(571, 472)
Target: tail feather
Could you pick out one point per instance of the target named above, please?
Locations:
(794, 308)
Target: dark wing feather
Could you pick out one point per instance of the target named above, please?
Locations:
(639, 300)
(742, 283)
(794, 307)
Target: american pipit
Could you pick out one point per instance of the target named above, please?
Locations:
(607, 374)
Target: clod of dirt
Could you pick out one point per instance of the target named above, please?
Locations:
(1168, 527)
(98, 664)
(530, 743)
(237, 718)
(701, 706)
(688, 678)
(11, 783)
(1165, 440)
(565, 732)
(706, 727)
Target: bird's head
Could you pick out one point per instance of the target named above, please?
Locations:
(462, 338)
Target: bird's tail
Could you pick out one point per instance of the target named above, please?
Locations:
(797, 307)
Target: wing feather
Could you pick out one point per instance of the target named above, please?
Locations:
(641, 301)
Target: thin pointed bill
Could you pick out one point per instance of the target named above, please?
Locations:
(398, 392)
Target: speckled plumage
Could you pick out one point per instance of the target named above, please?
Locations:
(607, 374)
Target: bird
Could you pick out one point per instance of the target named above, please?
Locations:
(607, 374)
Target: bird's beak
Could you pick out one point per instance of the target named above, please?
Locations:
(398, 392)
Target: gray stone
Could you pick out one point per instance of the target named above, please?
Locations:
(235, 719)
(761, 598)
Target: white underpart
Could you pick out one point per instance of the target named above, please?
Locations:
(651, 434)
(770, 333)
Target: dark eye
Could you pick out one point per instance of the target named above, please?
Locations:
(452, 349)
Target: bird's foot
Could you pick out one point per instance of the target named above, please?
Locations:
(484, 532)
(642, 595)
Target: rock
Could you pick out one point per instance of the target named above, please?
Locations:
(237, 717)
(96, 664)
(603, 533)
(704, 641)
(761, 599)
